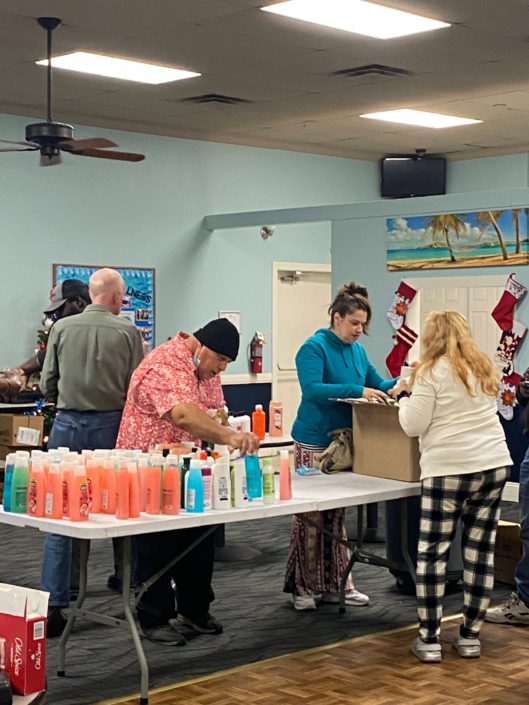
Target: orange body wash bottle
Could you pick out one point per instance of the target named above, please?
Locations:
(134, 490)
(78, 495)
(53, 502)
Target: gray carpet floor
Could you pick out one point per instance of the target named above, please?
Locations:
(258, 619)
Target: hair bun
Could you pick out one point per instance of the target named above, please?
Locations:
(353, 289)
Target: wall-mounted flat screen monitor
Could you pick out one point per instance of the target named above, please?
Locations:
(408, 176)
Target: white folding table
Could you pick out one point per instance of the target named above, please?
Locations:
(310, 493)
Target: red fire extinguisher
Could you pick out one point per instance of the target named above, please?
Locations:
(256, 354)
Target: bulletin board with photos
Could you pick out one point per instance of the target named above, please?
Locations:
(139, 301)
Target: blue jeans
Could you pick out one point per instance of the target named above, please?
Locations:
(77, 430)
(522, 569)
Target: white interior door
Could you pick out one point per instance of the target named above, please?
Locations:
(474, 297)
(301, 296)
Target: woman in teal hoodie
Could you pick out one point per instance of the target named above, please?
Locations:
(331, 364)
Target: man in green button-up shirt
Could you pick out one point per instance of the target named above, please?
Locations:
(89, 361)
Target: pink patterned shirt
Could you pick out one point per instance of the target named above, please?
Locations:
(165, 378)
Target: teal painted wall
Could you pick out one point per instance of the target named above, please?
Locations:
(90, 211)
(359, 243)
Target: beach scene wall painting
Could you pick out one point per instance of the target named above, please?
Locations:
(482, 239)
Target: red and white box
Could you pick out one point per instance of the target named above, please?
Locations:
(23, 625)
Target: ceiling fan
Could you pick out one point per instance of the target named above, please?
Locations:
(51, 138)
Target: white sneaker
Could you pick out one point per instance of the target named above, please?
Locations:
(467, 648)
(427, 653)
(303, 602)
(514, 611)
(353, 598)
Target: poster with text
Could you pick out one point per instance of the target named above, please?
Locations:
(138, 303)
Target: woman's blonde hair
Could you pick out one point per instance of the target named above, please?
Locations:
(447, 333)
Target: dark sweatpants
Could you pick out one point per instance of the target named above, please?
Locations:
(192, 576)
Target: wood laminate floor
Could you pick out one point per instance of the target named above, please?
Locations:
(377, 669)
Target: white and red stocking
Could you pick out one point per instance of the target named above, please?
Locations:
(503, 312)
(507, 395)
(509, 343)
(399, 308)
(404, 339)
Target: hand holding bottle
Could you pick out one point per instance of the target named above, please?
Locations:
(245, 442)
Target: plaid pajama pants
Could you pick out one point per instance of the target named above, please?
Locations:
(476, 499)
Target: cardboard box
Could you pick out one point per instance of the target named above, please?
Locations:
(23, 626)
(20, 430)
(508, 551)
(380, 446)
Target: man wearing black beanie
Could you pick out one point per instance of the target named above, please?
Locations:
(173, 395)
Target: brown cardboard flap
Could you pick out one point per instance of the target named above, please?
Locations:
(380, 446)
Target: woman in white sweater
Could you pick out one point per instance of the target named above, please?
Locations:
(464, 465)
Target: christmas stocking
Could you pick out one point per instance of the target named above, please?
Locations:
(404, 339)
(504, 311)
(399, 308)
(507, 395)
(509, 343)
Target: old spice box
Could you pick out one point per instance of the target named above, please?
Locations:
(23, 625)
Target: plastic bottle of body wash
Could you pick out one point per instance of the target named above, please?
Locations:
(239, 493)
(171, 485)
(259, 422)
(275, 419)
(194, 487)
(36, 489)
(53, 504)
(254, 482)
(285, 479)
(269, 489)
(221, 485)
(19, 485)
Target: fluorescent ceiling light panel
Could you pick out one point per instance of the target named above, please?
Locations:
(356, 16)
(420, 118)
(124, 69)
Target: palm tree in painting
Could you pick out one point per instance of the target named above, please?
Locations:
(516, 220)
(443, 224)
(486, 218)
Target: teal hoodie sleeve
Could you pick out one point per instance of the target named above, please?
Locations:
(310, 363)
(375, 381)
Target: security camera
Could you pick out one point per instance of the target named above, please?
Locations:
(267, 231)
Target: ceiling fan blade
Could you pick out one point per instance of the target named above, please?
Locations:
(107, 154)
(18, 149)
(75, 146)
(28, 146)
(50, 160)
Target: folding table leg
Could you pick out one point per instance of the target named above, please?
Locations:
(144, 668)
(83, 560)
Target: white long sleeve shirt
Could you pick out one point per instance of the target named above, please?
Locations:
(458, 433)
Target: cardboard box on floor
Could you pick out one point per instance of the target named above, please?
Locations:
(380, 446)
(21, 430)
(508, 551)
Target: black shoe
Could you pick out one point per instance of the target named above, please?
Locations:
(164, 634)
(202, 623)
(114, 583)
(56, 622)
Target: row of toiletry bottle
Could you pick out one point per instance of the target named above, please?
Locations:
(64, 484)
(257, 423)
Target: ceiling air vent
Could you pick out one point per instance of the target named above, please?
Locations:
(215, 98)
(372, 70)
